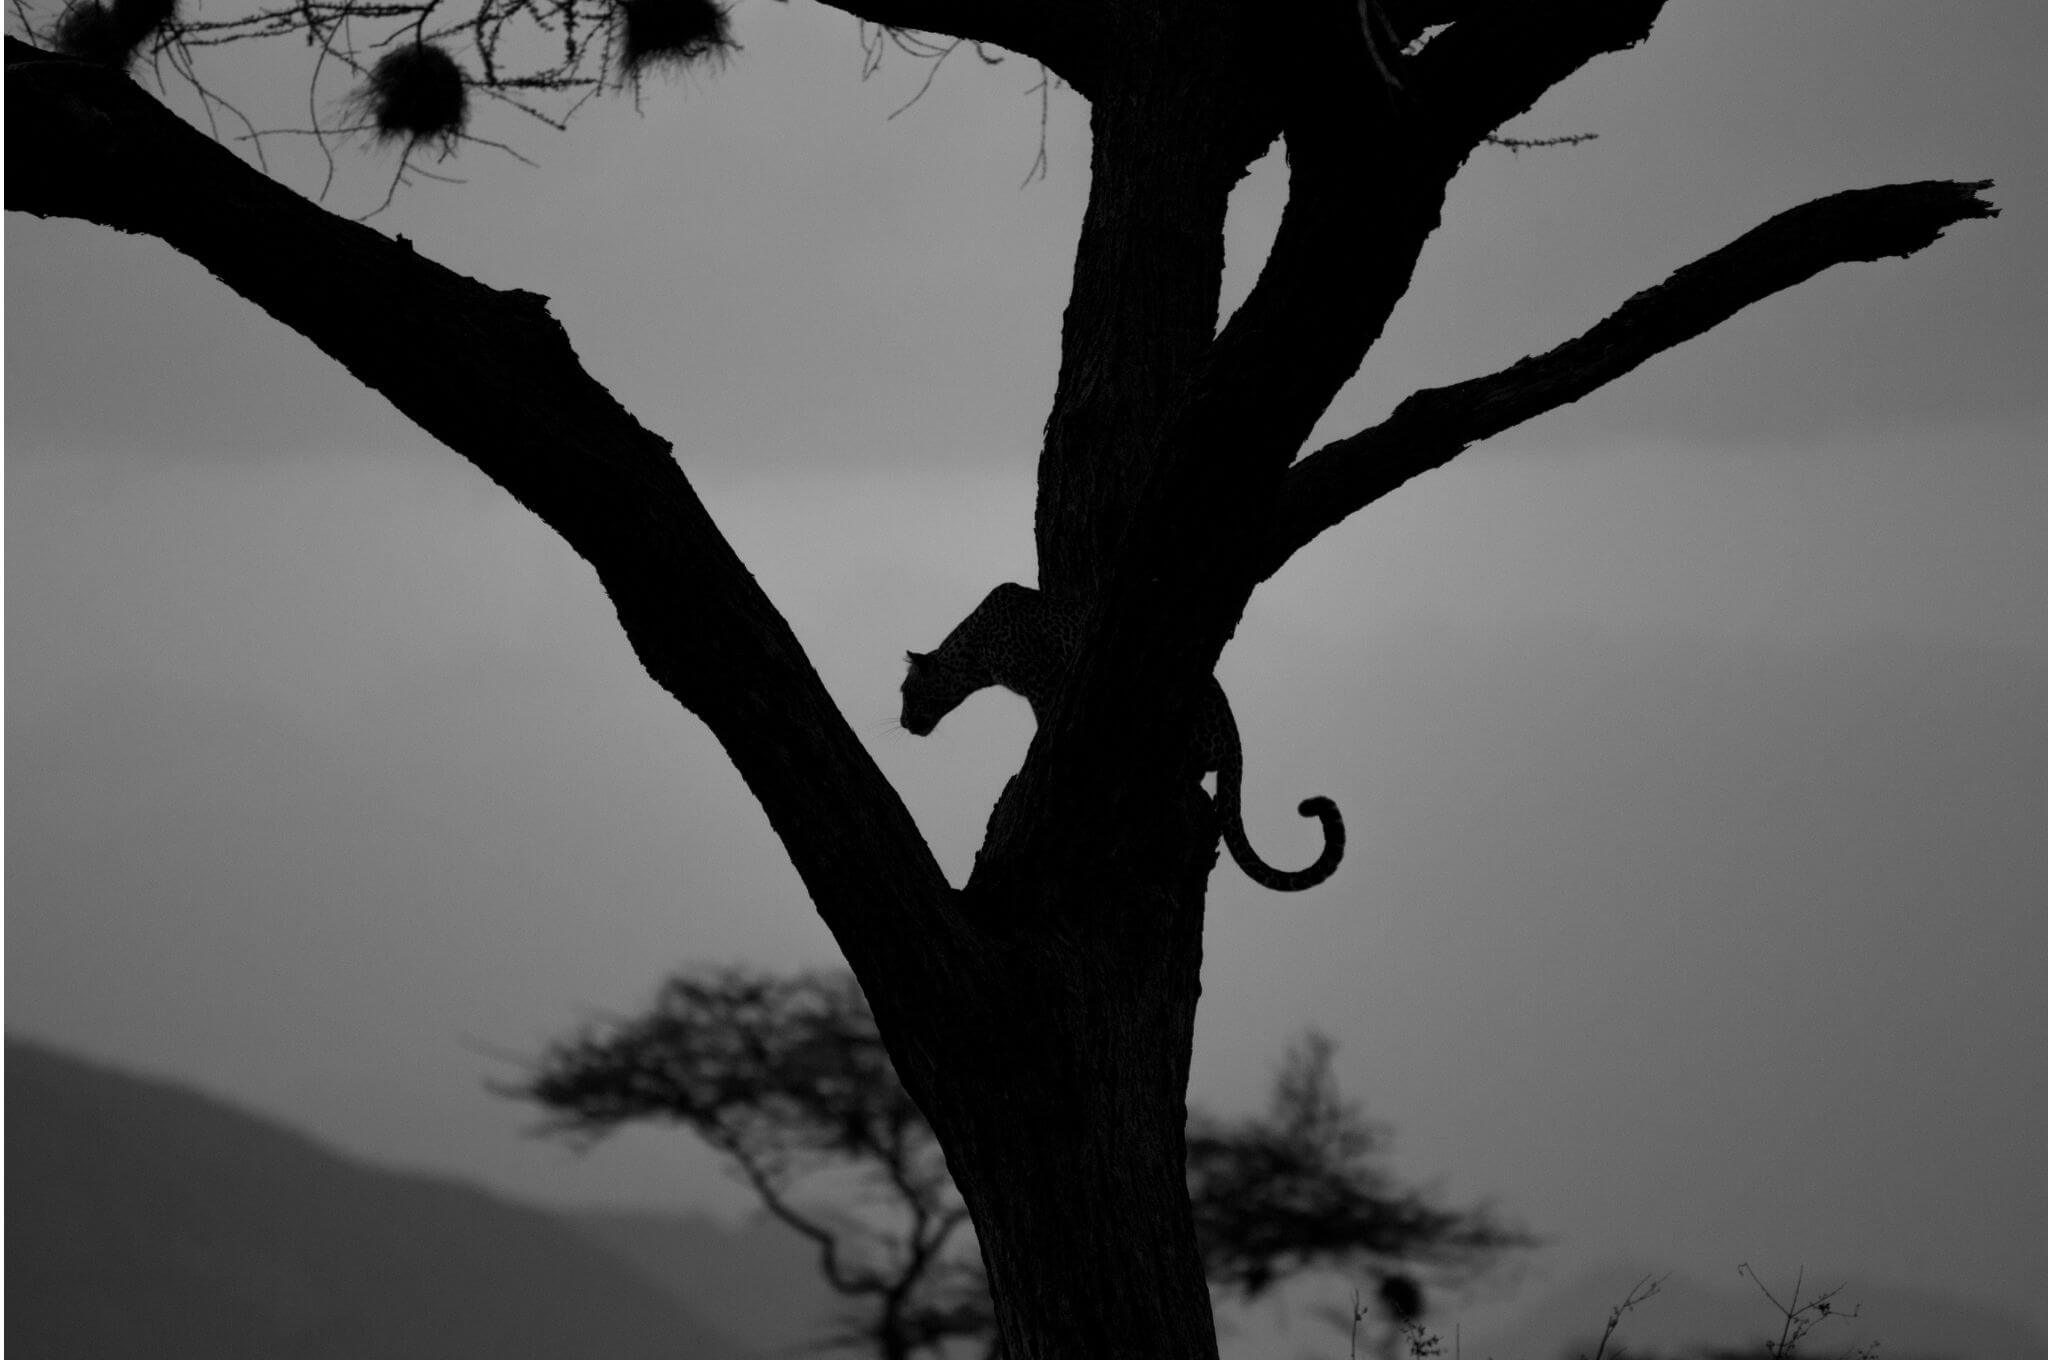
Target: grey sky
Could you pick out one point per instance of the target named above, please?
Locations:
(1692, 739)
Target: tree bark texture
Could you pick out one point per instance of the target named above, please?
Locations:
(1043, 1015)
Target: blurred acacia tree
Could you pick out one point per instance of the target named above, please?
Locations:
(787, 1077)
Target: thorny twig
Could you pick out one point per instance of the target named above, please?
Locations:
(1801, 1318)
(1642, 1292)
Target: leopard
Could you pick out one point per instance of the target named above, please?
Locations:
(1018, 639)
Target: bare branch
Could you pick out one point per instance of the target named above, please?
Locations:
(843, 1280)
(1435, 425)
(1639, 1294)
(493, 375)
(1065, 35)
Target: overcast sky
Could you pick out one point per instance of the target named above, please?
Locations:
(1692, 740)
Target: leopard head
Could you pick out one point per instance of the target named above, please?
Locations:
(928, 694)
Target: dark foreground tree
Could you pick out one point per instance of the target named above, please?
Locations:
(788, 1077)
(1042, 1015)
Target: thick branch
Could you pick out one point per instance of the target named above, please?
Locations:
(1065, 35)
(1370, 151)
(1433, 426)
(492, 375)
(1364, 193)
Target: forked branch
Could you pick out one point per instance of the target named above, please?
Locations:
(1437, 424)
(1371, 147)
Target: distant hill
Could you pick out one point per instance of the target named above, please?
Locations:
(1687, 1316)
(146, 1222)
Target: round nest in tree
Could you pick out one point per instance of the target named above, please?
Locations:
(416, 93)
(671, 33)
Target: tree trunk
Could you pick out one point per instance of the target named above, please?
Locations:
(1063, 1117)
(1055, 1072)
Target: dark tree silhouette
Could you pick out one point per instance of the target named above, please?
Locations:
(1042, 1015)
(1299, 1188)
(789, 1078)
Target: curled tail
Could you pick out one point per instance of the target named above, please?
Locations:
(1281, 880)
(1230, 807)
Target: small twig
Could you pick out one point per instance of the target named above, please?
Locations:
(930, 75)
(1043, 89)
(397, 179)
(1644, 1290)
(1518, 145)
(1799, 1318)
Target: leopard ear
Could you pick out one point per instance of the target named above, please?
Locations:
(917, 658)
